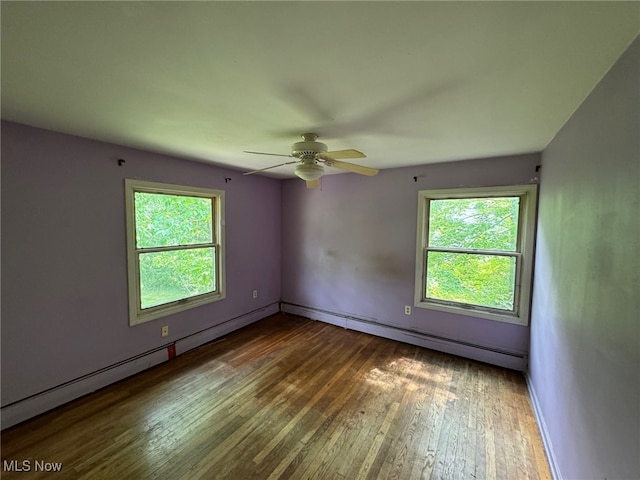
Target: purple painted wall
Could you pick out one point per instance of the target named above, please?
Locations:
(349, 246)
(585, 338)
(64, 280)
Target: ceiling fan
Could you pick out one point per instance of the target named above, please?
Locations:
(310, 154)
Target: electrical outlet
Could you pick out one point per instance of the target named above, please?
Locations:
(407, 310)
(165, 330)
(255, 294)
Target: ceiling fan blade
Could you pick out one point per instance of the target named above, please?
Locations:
(351, 167)
(339, 154)
(313, 183)
(273, 154)
(268, 168)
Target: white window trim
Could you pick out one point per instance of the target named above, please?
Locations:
(136, 314)
(526, 239)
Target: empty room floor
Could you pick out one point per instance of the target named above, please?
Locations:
(292, 398)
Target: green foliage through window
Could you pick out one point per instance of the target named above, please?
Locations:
(172, 220)
(463, 260)
(173, 275)
(485, 280)
(165, 225)
(474, 223)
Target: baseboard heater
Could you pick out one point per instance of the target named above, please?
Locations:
(26, 408)
(512, 360)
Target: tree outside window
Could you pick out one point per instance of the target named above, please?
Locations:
(174, 246)
(474, 251)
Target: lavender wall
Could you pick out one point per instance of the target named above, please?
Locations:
(585, 339)
(349, 246)
(64, 281)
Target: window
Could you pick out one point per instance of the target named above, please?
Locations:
(474, 251)
(175, 248)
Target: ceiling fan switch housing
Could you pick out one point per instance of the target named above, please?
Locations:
(309, 147)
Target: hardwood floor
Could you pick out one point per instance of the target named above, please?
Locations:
(292, 398)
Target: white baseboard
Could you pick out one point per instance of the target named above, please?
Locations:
(513, 361)
(546, 439)
(54, 397)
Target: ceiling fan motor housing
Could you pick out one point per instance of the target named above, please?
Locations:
(309, 148)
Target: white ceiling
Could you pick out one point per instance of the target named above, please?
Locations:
(407, 83)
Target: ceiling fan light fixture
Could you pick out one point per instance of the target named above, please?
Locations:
(309, 171)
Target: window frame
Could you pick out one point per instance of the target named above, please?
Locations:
(523, 254)
(137, 315)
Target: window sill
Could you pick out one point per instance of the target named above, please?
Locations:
(174, 307)
(473, 312)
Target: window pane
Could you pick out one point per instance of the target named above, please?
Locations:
(171, 220)
(474, 223)
(169, 276)
(485, 280)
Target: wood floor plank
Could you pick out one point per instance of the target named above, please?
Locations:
(290, 398)
(401, 450)
(419, 458)
(321, 428)
(424, 468)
